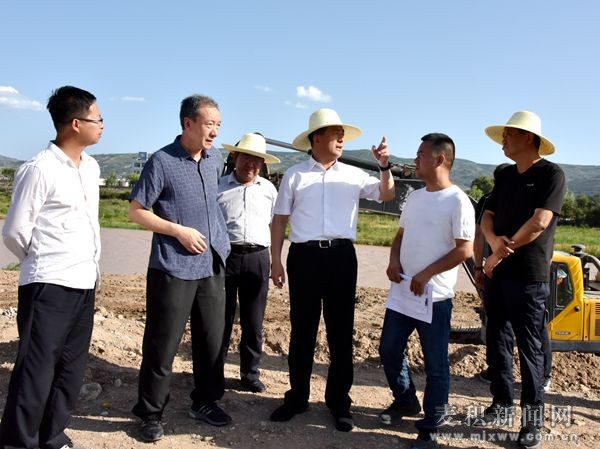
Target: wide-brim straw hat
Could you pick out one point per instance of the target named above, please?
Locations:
(255, 145)
(524, 120)
(323, 118)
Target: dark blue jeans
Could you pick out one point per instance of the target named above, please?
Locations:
(434, 339)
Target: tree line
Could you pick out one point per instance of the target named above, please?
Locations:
(577, 210)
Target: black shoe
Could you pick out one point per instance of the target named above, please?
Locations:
(497, 415)
(396, 411)
(253, 385)
(210, 413)
(151, 430)
(530, 437)
(484, 376)
(343, 421)
(286, 412)
(423, 444)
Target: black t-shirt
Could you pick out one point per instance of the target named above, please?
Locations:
(479, 210)
(513, 200)
(481, 207)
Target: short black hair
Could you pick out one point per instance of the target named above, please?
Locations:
(316, 132)
(441, 143)
(67, 103)
(192, 104)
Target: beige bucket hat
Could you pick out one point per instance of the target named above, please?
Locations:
(527, 121)
(322, 118)
(255, 145)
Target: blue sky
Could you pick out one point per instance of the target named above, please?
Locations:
(394, 68)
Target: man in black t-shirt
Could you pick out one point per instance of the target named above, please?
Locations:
(519, 224)
(481, 250)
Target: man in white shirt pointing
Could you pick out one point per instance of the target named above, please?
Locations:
(320, 199)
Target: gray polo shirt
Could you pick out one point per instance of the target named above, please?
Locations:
(183, 191)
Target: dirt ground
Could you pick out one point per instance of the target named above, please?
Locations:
(573, 405)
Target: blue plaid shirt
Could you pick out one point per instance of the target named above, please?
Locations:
(183, 191)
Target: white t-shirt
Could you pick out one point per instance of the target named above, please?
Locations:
(323, 204)
(432, 221)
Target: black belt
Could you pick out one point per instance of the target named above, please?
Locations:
(323, 244)
(246, 249)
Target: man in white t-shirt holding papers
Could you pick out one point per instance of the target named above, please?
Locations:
(436, 232)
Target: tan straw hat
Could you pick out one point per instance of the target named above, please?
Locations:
(524, 120)
(253, 144)
(323, 118)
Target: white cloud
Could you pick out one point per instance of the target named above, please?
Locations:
(265, 88)
(8, 90)
(11, 98)
(129, 99)
(296, 105)
(313, 93)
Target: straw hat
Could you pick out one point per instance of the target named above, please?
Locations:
(253, 144)
(524, 120)
(323, 118)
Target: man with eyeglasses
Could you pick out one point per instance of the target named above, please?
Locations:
(52, 227)
(176, 198)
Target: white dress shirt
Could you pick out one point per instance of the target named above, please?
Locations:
(247, 209)
(323, 204)
(52, 222)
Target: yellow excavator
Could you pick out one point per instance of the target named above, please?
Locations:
(574, 303)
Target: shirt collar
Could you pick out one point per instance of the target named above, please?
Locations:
(61, 156)
(231, 179)
(183, 154)
(312, 163)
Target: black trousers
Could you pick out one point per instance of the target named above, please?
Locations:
(55, 327)
(546, 348)
(321, 277)
(247, 280)
(523, 305)
(169, 303)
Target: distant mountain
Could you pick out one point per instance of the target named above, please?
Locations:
(9, 162)
(580, 178)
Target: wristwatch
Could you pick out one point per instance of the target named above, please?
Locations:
(386, 168)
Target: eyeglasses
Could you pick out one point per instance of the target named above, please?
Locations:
(96, 121)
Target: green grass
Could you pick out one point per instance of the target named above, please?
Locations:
(376, 229)
(380, 229)
(4, 202)
(113, 214)
(569, 235)
(372, 229)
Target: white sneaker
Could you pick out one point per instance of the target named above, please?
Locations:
(547, 383)
(71, 445)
